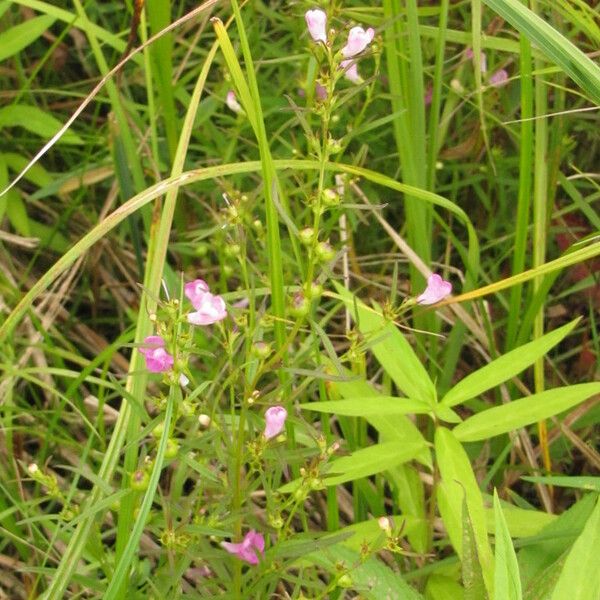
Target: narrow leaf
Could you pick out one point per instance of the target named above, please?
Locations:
(14, 39)
(519, 413)
(505, 367)
(507, 581)
(35, 121)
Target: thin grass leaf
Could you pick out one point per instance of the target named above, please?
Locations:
(507, 581)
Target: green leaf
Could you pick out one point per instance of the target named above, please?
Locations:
(525, 411)
(472, 574)
(20, 36)
(458, 482)
(580, 577)
(507, 581)
(442, 587)
(521, 522)
(371, 406)
(364, 463)
(582, 483)
(36, 121)
(552, 43)
(17, 213)
(392, 350)
(505, 367)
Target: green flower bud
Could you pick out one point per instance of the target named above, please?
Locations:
(139, 480)
(345, 581)
(306, 235)
(325, 252)
(201, 249)
(172, 448)
(261, 350)
(330, 197)
(299, 306)
(232, 250)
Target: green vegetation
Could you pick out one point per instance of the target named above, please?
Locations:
(230, 362)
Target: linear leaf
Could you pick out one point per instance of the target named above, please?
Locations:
(36, 121)
(20, 36)
(458, 482)
(507, 581)
(364, 463)
(525, 411)
(505, 367)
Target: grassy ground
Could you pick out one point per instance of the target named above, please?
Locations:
(317, 207)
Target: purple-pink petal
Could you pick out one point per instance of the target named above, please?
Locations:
(274, 421)
(358, 40)
(194, 290)
(246, 549)
(499, 78)
(437, 289)
(209, 310)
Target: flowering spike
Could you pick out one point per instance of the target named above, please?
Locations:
(358, 40)
(437, 289)
(316, 20)
(275, 420)
(246, 549)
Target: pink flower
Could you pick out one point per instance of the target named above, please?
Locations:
(428, 96)
(194, 290)
(246, 549)
(209, 309)
(316, 20)
(351, 71)
(482, 59)
(158, 360)
(232, 102)
(320, 91)
(499, 78)
(275, 420)
(358, 40)
(437, 289)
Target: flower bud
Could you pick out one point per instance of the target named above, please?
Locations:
(232, 250)
(261, 350)
(139, 480)
(299, 306)
(306, 235)
(345, 581)
(172, 448)
(204, 421)
(325, 252)
(330, 197)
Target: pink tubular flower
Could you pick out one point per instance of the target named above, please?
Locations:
(351, 71)
(316, 20)
(232, 102)
(194, 290)
(158, 360)
(275, 420)
(246, 549)
(437, 289)
(209, 310)
(358, 40)
(498, 78)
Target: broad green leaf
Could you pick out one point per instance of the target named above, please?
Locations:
(36, 121)
(14, 39)
(505, 367)
(580, 577)
(458, 482)
(17, 213)
(552, 43)
(365, 462)
(519, 413)
(392, 350)
(507, 581)
(371, 406)
(583, 483)
(472, 574)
